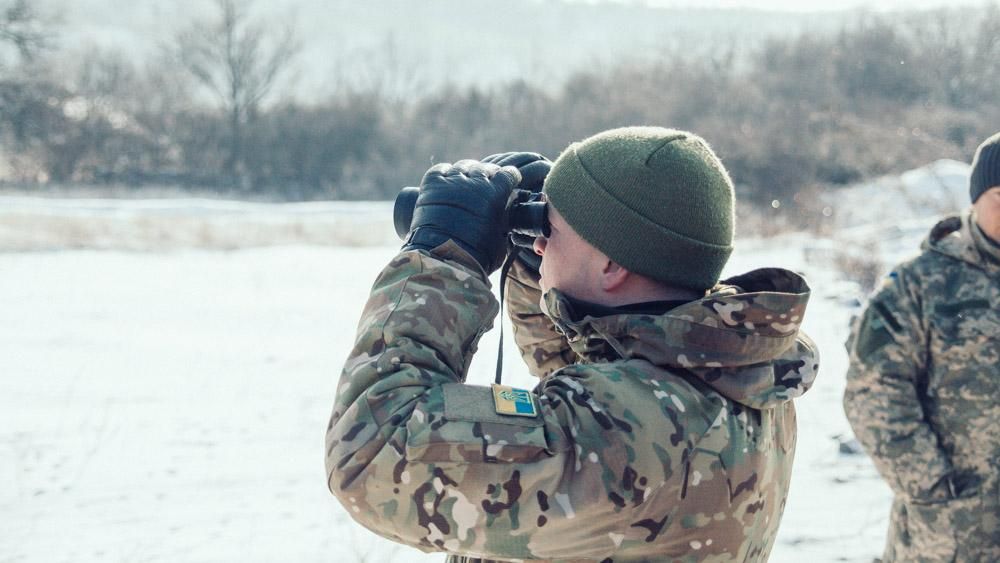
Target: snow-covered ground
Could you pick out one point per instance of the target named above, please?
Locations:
(34, 223)
(165, 381)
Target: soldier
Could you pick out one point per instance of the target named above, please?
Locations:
(923, 383)
(662, 427)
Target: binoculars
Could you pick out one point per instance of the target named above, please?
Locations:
(527, 214)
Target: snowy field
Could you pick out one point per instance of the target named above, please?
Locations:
(166, 374)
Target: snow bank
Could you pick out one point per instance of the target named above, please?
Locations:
(35, 223)
(936, 189)
(880, 223)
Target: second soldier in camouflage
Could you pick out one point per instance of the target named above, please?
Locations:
(923, 383)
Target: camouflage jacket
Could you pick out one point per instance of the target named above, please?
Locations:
(922, 396)
(666, 438)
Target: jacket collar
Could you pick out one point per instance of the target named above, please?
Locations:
(744, 320)
(959, 237)
(742, 339)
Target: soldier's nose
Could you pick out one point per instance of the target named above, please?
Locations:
(539, 245)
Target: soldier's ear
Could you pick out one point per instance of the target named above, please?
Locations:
(613, 275)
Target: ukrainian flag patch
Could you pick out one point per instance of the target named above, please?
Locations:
(513, 402)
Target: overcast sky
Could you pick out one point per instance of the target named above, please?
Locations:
(808, 5)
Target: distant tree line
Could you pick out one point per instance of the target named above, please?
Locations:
(789, 117)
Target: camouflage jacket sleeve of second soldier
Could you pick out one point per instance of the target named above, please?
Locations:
(543, 348)
(888, 351)
(421, 458)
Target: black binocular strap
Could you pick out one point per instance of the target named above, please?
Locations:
(504, 270)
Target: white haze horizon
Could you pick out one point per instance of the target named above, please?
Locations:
(798, 6)
(407, 49)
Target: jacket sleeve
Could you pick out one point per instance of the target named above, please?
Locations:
(543, 348)
(882, 400)
(421, 458)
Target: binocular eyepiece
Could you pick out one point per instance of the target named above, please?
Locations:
(527, 214)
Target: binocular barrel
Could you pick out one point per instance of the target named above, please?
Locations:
(530, 218)
(402, 210)
(526, 217)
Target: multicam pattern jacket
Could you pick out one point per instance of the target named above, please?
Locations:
(922, 396)
(655, 437)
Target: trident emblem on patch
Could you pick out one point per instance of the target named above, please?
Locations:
(513, 402)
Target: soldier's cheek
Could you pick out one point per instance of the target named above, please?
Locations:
(543, 279)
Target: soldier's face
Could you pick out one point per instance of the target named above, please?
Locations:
(569, 263)
(987, 209)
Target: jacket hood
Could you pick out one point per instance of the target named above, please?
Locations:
(742, 339)
(958, 237)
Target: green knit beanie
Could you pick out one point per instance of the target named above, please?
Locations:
(657, 201)
(985, 168)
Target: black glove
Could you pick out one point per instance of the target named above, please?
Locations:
(465, 202)
(534, 168)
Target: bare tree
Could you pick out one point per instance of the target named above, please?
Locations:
(21, 27)
(239, 60)
(385, 71)
(26, 89)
